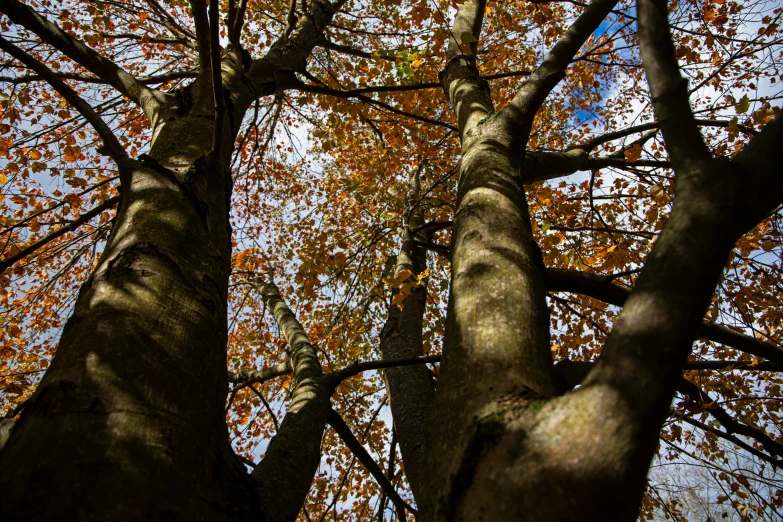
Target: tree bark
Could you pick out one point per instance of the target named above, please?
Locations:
(129, 421)
(410, 388)
(496, 355)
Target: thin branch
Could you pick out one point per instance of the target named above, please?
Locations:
(602, 288)
(56, 205)
(338, 424)
(110, 142)
(248, 377)
(734, 440)
(51, 236)
(267, 406)
(731, 424)
(335, 378)
(293, 83)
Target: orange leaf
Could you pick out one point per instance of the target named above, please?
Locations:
(633, 153)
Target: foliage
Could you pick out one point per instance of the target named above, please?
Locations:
(321, 172)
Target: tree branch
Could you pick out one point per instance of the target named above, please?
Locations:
(285, 474)
(602, 288)
(734, 440)
(530, 97)
(217, 79)
(51, 236)
(731, 424)
(669, 90)
(110, 142)
(338, 424)
(293, 83)
(247, 377)
(203, 36)
(101, 67)
(333, 379)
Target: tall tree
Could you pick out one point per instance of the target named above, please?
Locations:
(487, 236)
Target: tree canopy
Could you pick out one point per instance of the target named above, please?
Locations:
(370, 187)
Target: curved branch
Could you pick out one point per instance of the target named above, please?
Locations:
(88, 58)
(110, 142)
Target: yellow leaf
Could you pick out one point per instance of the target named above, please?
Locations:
(402, 275)
(34, 154)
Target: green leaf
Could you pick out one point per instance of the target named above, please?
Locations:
(743, 105)
(468, 38)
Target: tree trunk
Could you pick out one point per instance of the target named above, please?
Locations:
(410, 387)
(136, 392)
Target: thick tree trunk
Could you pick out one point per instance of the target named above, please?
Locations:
(130, 419)
(128, 423)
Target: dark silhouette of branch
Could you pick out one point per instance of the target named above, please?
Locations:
(731, 424)
(602, 288)
(50, 33)
(734, 440)
(338, 424)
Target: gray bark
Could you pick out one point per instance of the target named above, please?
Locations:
(285, 473)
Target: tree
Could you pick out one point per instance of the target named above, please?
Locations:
(569, 210)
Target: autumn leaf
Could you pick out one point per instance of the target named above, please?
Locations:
(72, 153)
(633, 153)
(743, 105)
